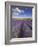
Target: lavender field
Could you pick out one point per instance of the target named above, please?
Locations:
(21, 28)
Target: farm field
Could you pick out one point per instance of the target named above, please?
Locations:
(21, 28)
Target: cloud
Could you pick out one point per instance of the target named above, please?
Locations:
(17, 11)
(20, 11)
(21, 16)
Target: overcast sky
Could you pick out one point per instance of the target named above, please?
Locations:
(22, 12)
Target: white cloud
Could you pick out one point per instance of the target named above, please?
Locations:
(15, 13)
(17, 10)
(20, 11)
(19, 16)
(24, 16)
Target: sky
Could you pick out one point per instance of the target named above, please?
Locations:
(22, 12)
